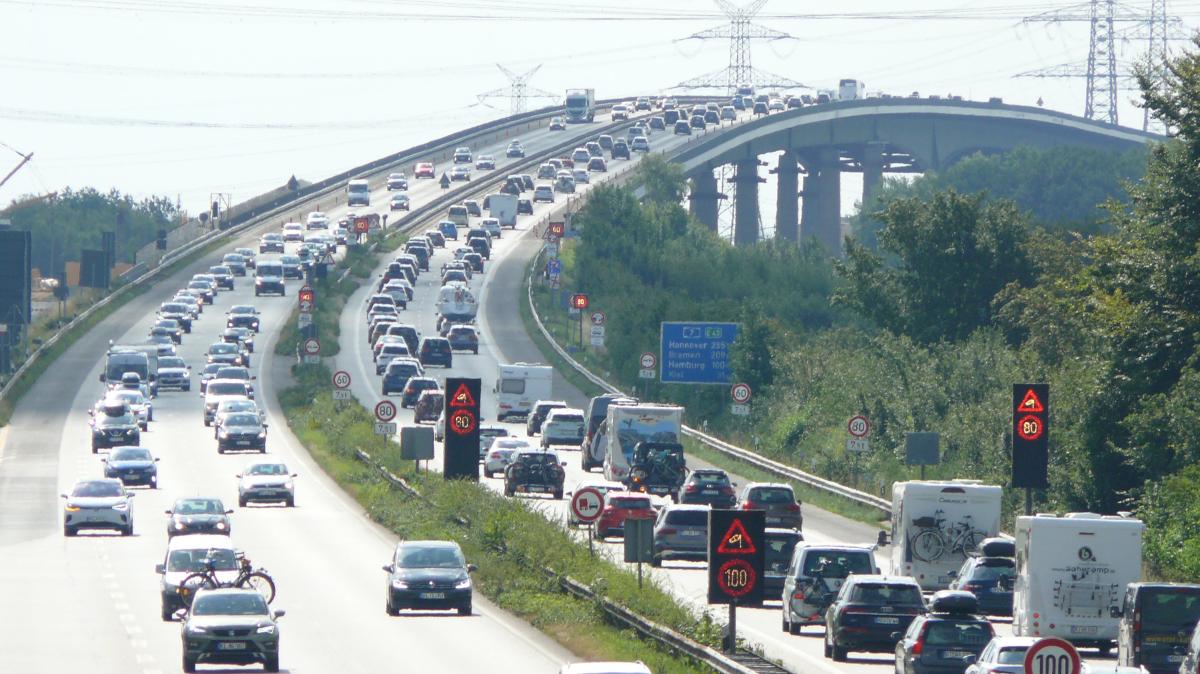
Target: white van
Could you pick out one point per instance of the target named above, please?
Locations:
(358, 193)
(456, 303)
(936, 524)
(1071, 574)
(458, 215)
(519, 386)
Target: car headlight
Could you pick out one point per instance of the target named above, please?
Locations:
(220, 526)
(71, 508)
(399, 585)
(180, 525)
(289, 484)
(258, 281)
(266, 629)
(196, 629)
(262, 436)
(123, 505)
(463, 584)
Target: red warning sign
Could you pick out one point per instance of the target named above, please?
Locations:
(737, 541)
(1030, 403)
(462, 397)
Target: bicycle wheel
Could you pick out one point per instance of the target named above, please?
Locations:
(928, 545)
(193, 582)
(970, 540)
(261, 583)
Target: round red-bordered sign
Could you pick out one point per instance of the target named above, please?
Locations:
(1052, 656)
(648, 361)
(736, 578)
(858, 426)
(462, 422)
(740, 393)
(587, 504)
(341, 379)
(1030, 427)
(312, 346)
(385, 411)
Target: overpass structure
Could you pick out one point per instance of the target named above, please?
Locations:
(872, 137)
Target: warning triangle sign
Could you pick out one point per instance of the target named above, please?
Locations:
(462, 397)
(1030, 403)
(736, 541)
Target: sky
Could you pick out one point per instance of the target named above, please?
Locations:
(185, 98)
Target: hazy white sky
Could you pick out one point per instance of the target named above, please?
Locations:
(188, 97)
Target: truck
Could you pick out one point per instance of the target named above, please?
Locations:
(581, 106)
(138, 358)
(503, 207)
(358, 192)
(456, 303)
(851, 90)
(1072, 573)
(629, 425)
(519, 386)
(937, 524)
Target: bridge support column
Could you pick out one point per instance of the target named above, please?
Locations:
(745, 213)
(787, 218)
(872, 168)
(705, 199)
(822, 200)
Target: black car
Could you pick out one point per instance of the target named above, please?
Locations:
(292, 267)
(990, 577)
(429, 575)
(242, 316)
(132, 465)
(397, 374)
(198, 516)
(178, 312)
(870, 614)
(947, 639)
(712, 117)
(480, 245)
(422, 255)
(474, 261)
(170, 327)
(270, 243)
(436, 351)
(114, 426)
(708, 487)
(242, 431)
(224, 276)
(524, 206)
(682, 128)
(1156, 618)
(241, 336)
(269, 279)
(411, 337)
(534, 472)
(620, 149)
(415, 387)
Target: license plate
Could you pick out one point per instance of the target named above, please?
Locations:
(709, 492)
(888, 620)
(433, 595)
(958, 655)
(1084, 629)
(231, 645)
(268, 492)
(691, 532)
(243, 443)
(774, 520)
(1174, 658)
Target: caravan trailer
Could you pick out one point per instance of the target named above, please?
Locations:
(1072, 572)
(936, 524)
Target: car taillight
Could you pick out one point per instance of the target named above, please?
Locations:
(748, 505)
(918, 646)
(691, 489)
(972, 587)
(668, 531)
(495, 455)
(799, 596)
(794, 508)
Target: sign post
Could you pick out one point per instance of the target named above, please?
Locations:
(736, 558)
(579, 302)
(586, 506)
(639, 543)
(460, 460)
(1052, 655)
(1030, 438)
(341, 385)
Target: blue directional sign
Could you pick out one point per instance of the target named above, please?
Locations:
(554, 266)
(696, 353)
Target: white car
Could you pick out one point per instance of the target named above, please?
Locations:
(580, 156)
(500, 454)
(487, 434)
(317, 220)
(491, 226)
(640, 144)
(620, 112)
(293, 231)
(543, 193)
(266, 481)
(581, 176)
(1002, 655)
(563, 426)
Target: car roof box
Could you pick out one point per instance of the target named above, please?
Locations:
(953, 601)
(998, 547)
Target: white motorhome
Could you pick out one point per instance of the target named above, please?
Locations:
(936, 524)
(1071, 573)
(851, 90)
(519, 386)
(627, 425)
(358, 193)
(503, 207)
(456, 303)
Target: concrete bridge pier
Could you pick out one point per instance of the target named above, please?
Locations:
(705, 198)
(787, 217)
(822, 208)
(872, 169)
(745, 206)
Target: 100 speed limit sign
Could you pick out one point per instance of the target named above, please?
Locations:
(1052, 656)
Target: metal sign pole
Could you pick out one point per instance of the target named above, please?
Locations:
(639, 575)
(591, 531)
(731, 639)
(1029, 501)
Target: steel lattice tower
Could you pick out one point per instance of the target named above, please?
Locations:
(1101, 101)
(518, 92)
(740, 32)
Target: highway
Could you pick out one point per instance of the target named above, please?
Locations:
(91, 603)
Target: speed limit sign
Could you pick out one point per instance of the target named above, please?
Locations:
(341, 379)
(858, 426)
(740, 393)
(1052, 656)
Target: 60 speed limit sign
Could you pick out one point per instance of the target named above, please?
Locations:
(1052, 656)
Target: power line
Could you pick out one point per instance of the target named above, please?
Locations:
(740, 71)
(25, 114)
(518, 92)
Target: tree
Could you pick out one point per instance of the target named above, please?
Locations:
(751, 356)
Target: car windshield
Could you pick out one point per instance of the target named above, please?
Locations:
(631, 503)
(110, 419)
(710, 479)
(772, 495)
(537, 458)
(199, 285)
(237, 406)
(267, 469)
(199, 506)
(689, 518)
(1005, 569)
(270, 270)
(97, 489)
(233, 373)
(242, 603)
(1175, 606)
(227, 389)
(222, 348)
(290, 259)
(190, 561)
(428, 557)
(130, 454)
(945, 633)
(212, 368)
(831, 564)
(1012, 656)
(131, 397)
(779, 550)
(241, 309)
(175, 308)
(406, 369)
(241, 420)
(887, 594)
(171, 361)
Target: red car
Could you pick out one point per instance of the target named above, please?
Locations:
(619, 506)
(424, 170)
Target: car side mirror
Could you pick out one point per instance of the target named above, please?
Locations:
(279, 613)
(104, 459)
(265, 424)
(63, 495)
(389, 568)
(229, 512)
(882, 539)
(295, 474)
(156, 459)
(1115, 611)
(168, 512)
(564, 463)
(471, 568)
(130, 494)
(238, 475)
(896, 636)
(160, 569)
(952, 574)
(969, 660)
(101, 376)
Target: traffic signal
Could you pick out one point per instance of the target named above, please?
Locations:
(1030, 435)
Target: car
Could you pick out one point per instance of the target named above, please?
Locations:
(537, 415)
(242, 316)
(712, 117)
(396, 181)
(778, 500)
(492, 227)
(947, 639)
(266, 481)
(225, 353)
(562, 426)
(581, 176)
(98, 504)
(340, 234)
(780, 545)
(231, 626)
(697, 122)
(463, 338)
(436, 351)
(399, 202)
(316, 220)
(174, 373)
(415, 387)
(620, 112)
(497, 455)
(235, 262)
(203, 290)
(761, 108)
(270, 243)
(728, 113)
(179, 312)
(524, 207)
(640, 144)
(237, 335)
(473, 260)
(114, 425)
(293, 231)
(268, 278)
(208, 374)
(543, 193)
(436, 237)
(194, 552)
(597, 164)
(708, 486)
(991, 578)
(1153, 615)
(291, 267)
(532, 472)
(218, 390)
(546, 171)
(794, 102)
(461, 172)
(141, 406)
(776, 105)
(481, 245)
(594, 149)
(680, 532)
(462, 155)
(557, 124)
(487, 434)
(658, 123)
(198, 515)
(242, 431)
(670, 117)
(682, 128)
(397, 374)
(454, 276)
(869, 613)
(429, 406)
(485, 162)
(814, 577)
(620, 506)
(234, 406)
(580, 155)
(162, 340)
(620, 149)
(132, 466)
(424, 170)
(515, 150)
(428, 575)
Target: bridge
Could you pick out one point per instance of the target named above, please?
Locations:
(871, 137)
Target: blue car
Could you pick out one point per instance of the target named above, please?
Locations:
(132, 465)
(448, 229)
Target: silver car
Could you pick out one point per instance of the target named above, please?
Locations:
(231, 626)
(98, 504)
(266, 481)
(500, 454)
(1002, 655)
(681, 532)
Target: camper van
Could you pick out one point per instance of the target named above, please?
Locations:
(519, 386)
(935, 525)
(627, 425)
(358, 193)
(456, 303)
(141, 359)
(1072, 572)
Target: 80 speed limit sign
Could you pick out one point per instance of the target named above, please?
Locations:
(858, 426)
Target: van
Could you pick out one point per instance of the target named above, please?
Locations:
(358, 193)
(1157, 620)
(519, 386)
(1072, 573)
(185, 555)
(814, 577)
(937, 524)
(594, 415)
(458, 215)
